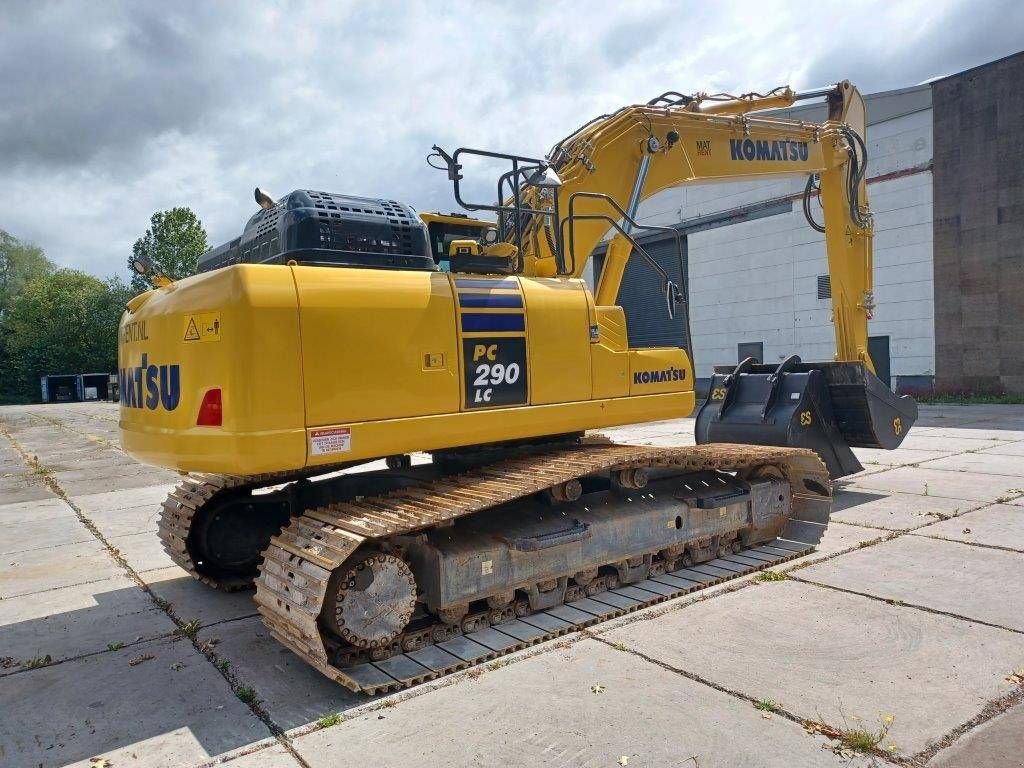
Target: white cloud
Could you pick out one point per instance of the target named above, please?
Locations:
(109, 113)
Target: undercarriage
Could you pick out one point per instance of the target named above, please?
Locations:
(383, 579)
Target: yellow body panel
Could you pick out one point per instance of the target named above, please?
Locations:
(367, 339)
(255, 363)
(560, 341)
(321, 365)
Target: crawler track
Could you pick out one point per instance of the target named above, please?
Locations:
(195, 492)
(294, 576)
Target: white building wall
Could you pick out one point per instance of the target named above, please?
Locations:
(757, 280)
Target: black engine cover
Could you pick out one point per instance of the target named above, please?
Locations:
(326, 229)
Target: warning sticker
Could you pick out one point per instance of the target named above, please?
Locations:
(202, 327)
(326, 441)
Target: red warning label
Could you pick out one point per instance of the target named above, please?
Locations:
(326, 441)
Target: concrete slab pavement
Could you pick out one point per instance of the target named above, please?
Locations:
(979, 583)
(999, 743)
(998, 525)
(291, 691)
(77, 620)
(894, 511)
(54, 567)
(524, 708)
(847, 659)
(543, 711)
(171, 709)
(973, 486)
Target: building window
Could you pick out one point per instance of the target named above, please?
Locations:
(754, 349)
(824, 287)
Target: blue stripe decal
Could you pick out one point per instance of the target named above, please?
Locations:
(472, 322)
(500, 283)
(493, 300)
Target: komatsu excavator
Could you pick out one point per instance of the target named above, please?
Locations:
(339, 330)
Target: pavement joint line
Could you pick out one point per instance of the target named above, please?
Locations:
(51, 589)
(205, 649)
(250, 750)
(991, 710)
(50, 546)
(701, 680)
(90, 654)
(87, 435)
(906, 531)
(903, 604)
(980, 545)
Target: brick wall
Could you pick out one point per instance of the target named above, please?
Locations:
(978, 228)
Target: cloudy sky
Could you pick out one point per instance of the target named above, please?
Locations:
(110, 111)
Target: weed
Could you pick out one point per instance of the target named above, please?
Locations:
(177, 666)
(189, 629)
(853, 739)
(389, 703)
(247, 694)
(619, 646)
(769, 575)
(38, 661)
(329, 720)
(223, 665)
(765, 705)
(6, 662)
(115, 646)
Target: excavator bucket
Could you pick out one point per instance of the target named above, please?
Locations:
(828, 407)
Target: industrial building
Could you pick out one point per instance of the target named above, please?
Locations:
(945, 168)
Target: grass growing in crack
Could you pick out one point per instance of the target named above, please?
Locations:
(861, 739)
(765, 705)
(329, 720)
(189, 629)
(223, 665)
(115, 646)
(763, 576)
(246, 694)
(38, 661)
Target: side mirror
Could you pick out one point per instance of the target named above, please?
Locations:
(673, 298)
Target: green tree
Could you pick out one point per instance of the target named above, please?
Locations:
(20, 262)
(173, 243)
(64, 322)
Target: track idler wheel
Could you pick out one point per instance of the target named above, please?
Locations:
(371, 602)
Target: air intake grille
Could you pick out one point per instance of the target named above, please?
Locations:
(824, 287)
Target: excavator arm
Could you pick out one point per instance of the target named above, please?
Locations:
(642, 150)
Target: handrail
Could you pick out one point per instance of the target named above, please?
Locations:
(672, 293)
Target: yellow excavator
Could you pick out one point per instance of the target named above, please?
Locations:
(341, 330)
